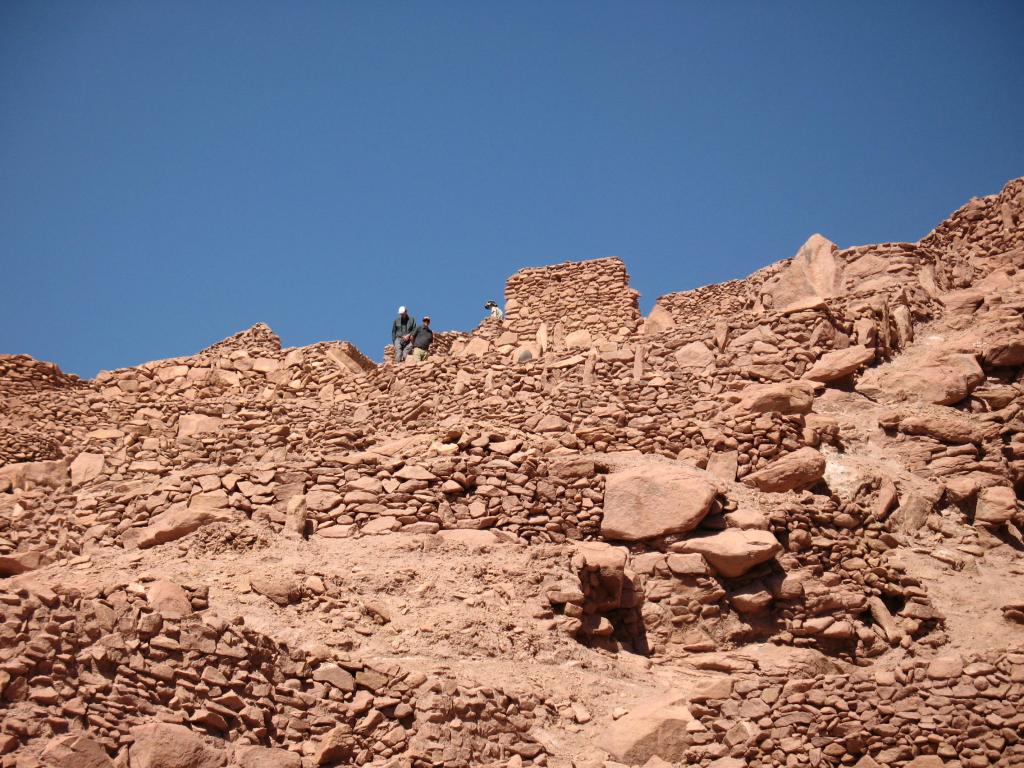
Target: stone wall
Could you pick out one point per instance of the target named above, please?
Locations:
(125, 656)
(21, 374)
(946, 708)
(586, 296)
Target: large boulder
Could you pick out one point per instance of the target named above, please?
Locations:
(166, 745)
(1005, 352)
(964, 302)
(475, 347)
(335, 746)
(169, 599)
(944, 381)
(951, 427)
(86, 467)
(794, 471)
(722, 465)
(733, 552)
(20, 562)
(787, 397)
(658, 321)
(179, 521)
(840, 363)
(75, 750)
(661, 727)
(349, 359)
(810, 277)
(654, 500)
(996, 505)
(580, 338)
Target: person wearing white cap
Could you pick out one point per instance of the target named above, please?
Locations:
(402, 331)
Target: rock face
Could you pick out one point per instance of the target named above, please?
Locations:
(800, 469)
(648, 502)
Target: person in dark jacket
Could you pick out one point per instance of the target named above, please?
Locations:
(422, 339)
(402, 331)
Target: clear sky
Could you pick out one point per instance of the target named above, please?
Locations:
(173, 172)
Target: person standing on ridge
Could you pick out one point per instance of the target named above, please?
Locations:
(402, 331)
(496, 312)
(422, 338)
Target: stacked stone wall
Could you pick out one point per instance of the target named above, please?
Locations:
(21, 374)
(952, 708)
(126, 655)
(591, 296)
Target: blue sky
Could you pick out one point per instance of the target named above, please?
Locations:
(173, 172)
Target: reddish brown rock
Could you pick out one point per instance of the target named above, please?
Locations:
(786, 397)
(75, 750)
(265, 757)
(34, 474)
(21, 562)
(733, 552)
(86, 467)
(812, 276)
(180, 521)
(281, 588)
(950, 428)
(657, 728)
(165, 745)
(794, 471)
(996, 505)
(1006, 352)
(336, 746)
(840, 363)
(651, 501)
(169, 599)
(943, 383)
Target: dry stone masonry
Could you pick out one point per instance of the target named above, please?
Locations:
(777, 522)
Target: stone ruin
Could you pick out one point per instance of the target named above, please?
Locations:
(776, 522)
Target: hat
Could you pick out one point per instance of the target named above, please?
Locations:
(489, 304)
(401, 310)
(426, 318)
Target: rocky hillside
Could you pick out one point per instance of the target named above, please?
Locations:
(777, 522)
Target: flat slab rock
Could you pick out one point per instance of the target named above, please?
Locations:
(733, 552)
(178, 522)
(650, 501)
